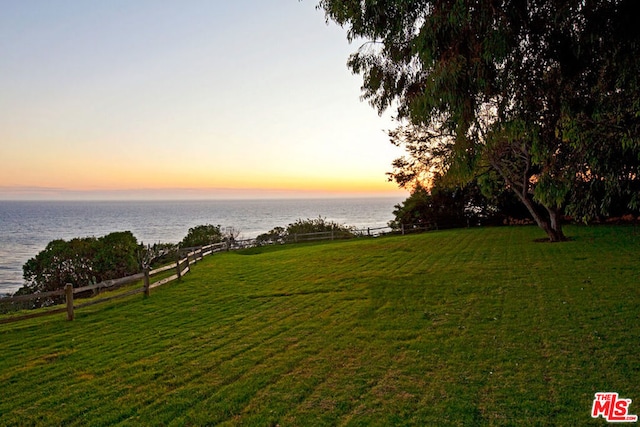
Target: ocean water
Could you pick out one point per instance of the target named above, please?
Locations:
(27, 227)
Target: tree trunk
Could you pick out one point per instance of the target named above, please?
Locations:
(550, 223)
(556, 226)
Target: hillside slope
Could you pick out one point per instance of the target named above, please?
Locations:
(459, 327)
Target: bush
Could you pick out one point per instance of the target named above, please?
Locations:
(319, 225)
(158, 254)
(202, 235)
(116, 255)
(306, 226)
(80, 261)
(276, 235)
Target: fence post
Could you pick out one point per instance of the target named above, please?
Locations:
(178, 267)
(402, 229)
(68, 291)
(369, 231)
(146, 281)
(331, 233)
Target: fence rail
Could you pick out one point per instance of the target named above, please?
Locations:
(182, 266)
(30, 297)
(186, 258)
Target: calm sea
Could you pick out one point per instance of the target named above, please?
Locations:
(27, 227)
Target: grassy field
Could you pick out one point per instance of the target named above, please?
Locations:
(463, 327)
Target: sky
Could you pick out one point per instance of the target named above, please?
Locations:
(167, 99)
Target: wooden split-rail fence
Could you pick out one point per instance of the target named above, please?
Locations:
(181, 267)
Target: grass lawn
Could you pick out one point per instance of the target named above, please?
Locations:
(462, 327)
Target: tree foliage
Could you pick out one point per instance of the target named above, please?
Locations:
(117, 255)
(275, 235)
(543, 96)
(305, 226)
(202, 235)
(80, 261)
(442, 206)
(318, 225)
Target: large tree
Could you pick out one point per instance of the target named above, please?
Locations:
(542, 96)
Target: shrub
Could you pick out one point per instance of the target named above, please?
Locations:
(202, 235)
(319, 225)
(276, 235)
(79, 261)
(305, 226)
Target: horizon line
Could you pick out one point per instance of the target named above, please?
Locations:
(37, 193)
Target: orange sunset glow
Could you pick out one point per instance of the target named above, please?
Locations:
(147, 102)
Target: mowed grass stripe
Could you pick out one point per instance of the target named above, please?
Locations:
(251, 355)
(257, 362)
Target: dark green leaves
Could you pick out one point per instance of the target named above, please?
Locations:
(202, 235)
(472, 71)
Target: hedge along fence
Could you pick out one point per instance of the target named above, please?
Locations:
(181, 267)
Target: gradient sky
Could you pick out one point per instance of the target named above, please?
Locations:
(183, 99)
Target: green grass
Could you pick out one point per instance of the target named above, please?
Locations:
(461, 327)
